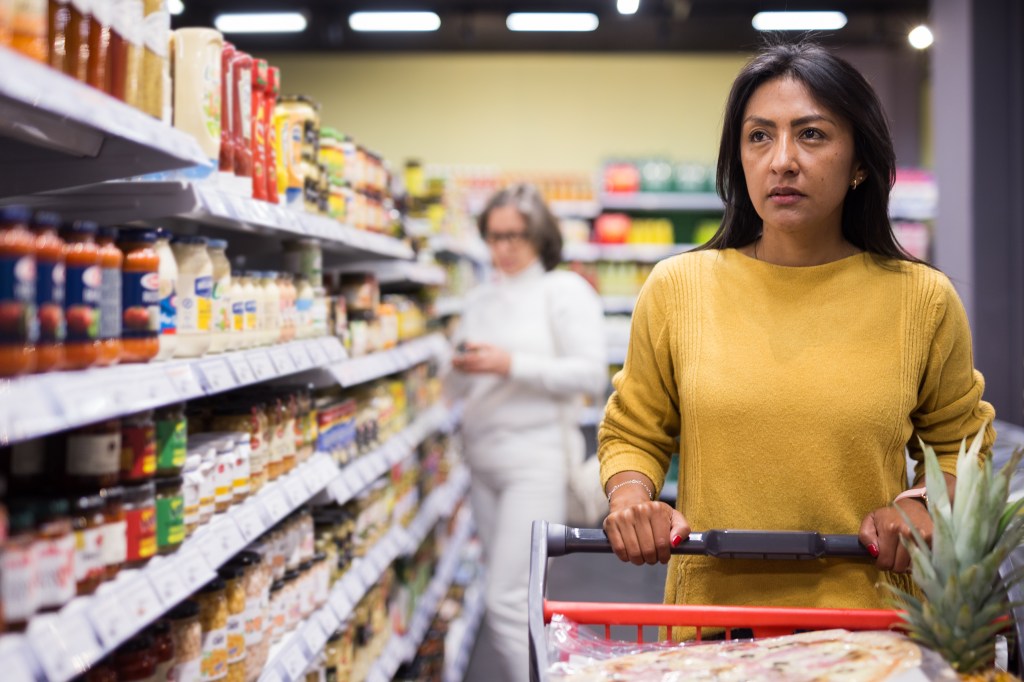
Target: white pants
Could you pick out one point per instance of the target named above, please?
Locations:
(515, 480)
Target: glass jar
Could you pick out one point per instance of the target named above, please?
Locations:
(138, 447)
(255, 588)
(236, 339)
(168, 287)
(18, 585)
(304, 298)
(170, 514)
(111, 316)
(293, 599)
(115, 531)
(278, 614)
(331, 655)
(187, 634)
(135, 660)
(163, 650)
(93, 456)
(305, 257)
(233, 575)
(253, 310)
(221, 305)
(140, 516)
(55, 553)
(191, 492)
(82, 280)
(140, 295)
(213, 615)
(102, 672)
(208, 491)
(271, 308)
(49, 301)
(89, 525)
(195, 296)
(171, 439)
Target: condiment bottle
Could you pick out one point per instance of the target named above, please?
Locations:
(241, 71)
(49, 292)
(274, 89)
(187, 635)
(170, 514)
(171, 439)
(227, 97)
(138, 447)
(19, 578)
(222, 322)
(115, 532)
(253, 310)
(99, 43)
(68, 25)
(213, 616)
(286, 286)
(233, 576)
(156, 31)
(93, 456)
(236, 339)
(271, 308)
(163, 651)
(140, 517)
(260, 102)
(111, 264)
(195, 293)
(18, 327)
(117, 50)
(168, 295)
(82, 294)
(55, 553)
(88, 524)
(29, 28)
(132, 13)
(197, 86)
(304, 298)
(140, 296)
(135, 660)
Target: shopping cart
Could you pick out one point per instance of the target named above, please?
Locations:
(552, 540)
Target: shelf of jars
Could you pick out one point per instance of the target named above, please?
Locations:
(59, 132)
(662, 201)
(395, 273)
(637, 253)
(290, 657)
(582, 209)
(473, 616)
(207, 204)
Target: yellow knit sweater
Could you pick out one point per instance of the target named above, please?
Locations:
(790, 394)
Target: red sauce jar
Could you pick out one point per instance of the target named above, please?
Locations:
(49, 292)
(82, 294)
(18, 330)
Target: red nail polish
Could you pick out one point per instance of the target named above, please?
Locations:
(873, 550)
(676, 539)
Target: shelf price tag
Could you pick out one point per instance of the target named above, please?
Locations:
(65, 645)
(353, 587)
(250, 521)
(300, 358)
(314, 636)
(296, 491)
(316, 353)
(275, 504)
(243, 372)
(368, 573)
(271, 675)
(327, 467)
(141, 601)
(194, 570)
(213, 202)
(294, 661)
(215, 375)
(341, 604)
(183, 380)
(78, 398)
(282, 360)
(111, 619)
(222, 541)
(339, 490)
(332, 348)
(166, 578)
(262, 367)
(314, 481)
(329, 619)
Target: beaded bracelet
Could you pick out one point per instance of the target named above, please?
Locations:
(632, 481)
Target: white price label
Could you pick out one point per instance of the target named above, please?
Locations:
(141, 602)
(235, 207)
(313, 479)
(16, 663)
(223, 541)
(271, 675)
(282, 360)
(243, 372)
(66, 646)
(332, 348)
(329, 620)
(275, 504)
(184, 381)
(78, 398)
(296, 491)
(166, 578)
(316, 353)
(343, 374)
(353, 587)
(111, 619)
(367, 572)
(262, 367)
(195, 572)
(216, 376)
(339, 490)
(250, 521)
(294, 661)
(314, 636)
(214, 202)
(300, 358)
(327, 467)
(341, 604)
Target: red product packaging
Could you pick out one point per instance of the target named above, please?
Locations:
(227, 111)
(241, 73)
(274, 89)
(260, 98)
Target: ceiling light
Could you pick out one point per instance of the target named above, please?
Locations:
(175, 7)
(551, 21)
(269, 22)
(628, 6)
(394, 21)
(799, 21)
(921, 37)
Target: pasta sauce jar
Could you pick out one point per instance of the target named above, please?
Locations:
(17, 293)
(140, 296)
(82, 294)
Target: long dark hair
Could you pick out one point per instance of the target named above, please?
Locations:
(838, 86)
(541, 225)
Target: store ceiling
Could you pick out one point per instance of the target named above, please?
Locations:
(479, 25)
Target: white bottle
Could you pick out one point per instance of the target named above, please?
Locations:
(168, 295)
(271, 321)
(221, 321)
(195, 296)
(253, 310)
(237, 338)
(303, 308)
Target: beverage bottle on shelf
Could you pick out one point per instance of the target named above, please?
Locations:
(140, 295)
(195, 295)
(168, 303)
(49, 292)
(18, 328)
(82, 294)
(111, 264)
(274, 90)
(260, 102)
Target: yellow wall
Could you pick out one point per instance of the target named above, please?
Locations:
(520, 112)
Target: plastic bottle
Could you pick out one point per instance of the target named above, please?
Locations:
(82, 294)
(241, 72)
(28, 28)
(198, 53)
(222, 323)
(140, 296)
(49, 292)
(304, 295)
(260, 103)
(168, 295)
(111, 262)
(253, 310)
(236, 338)
(286, 290)
(227, 98)
(274, 88)
(271, 329)
(99, 43)
(195, 295)
(18, 323)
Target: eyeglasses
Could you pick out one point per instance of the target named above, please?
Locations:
(513, 238)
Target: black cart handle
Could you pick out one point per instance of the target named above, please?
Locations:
(722, 544)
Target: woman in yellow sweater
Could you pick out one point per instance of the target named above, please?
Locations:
(792, 360)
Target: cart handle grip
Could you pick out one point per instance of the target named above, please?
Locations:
(722, 544)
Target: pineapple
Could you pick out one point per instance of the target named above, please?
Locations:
(958, 576)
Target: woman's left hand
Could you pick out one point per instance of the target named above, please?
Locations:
(882, 529)
(483, 358)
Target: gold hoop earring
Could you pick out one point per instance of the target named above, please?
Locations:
(853, 185)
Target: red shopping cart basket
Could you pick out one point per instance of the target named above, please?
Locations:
(551, 540)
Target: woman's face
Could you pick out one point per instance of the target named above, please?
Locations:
(510, 245)
(798, 158)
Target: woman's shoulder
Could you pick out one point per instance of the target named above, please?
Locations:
(923, 279)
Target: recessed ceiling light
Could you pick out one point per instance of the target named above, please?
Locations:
(799, 21)
(394, 21)
(552, 21)
(267, 22)
(175, 7)
(921, 37)
(628, 6)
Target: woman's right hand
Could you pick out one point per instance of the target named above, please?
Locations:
(643, 531)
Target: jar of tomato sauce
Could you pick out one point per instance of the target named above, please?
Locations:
(140, 296)
(82, 294)
(111, 263)
(49, 292)
(17, 292)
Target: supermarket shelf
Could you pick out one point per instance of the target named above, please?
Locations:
(115, 203)
(398, 273)
(67, 643)
(40, 404)
(663, 201)
(62, 133)
(449, 305)
(473, 612)
(291, 656)
(472, 249)
(614, 305)
(402, 649)
(360, 370)
(640, 253)
(575, 209)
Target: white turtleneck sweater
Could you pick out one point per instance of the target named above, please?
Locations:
(552, 323)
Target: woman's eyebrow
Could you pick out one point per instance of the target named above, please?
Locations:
(803, 120)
